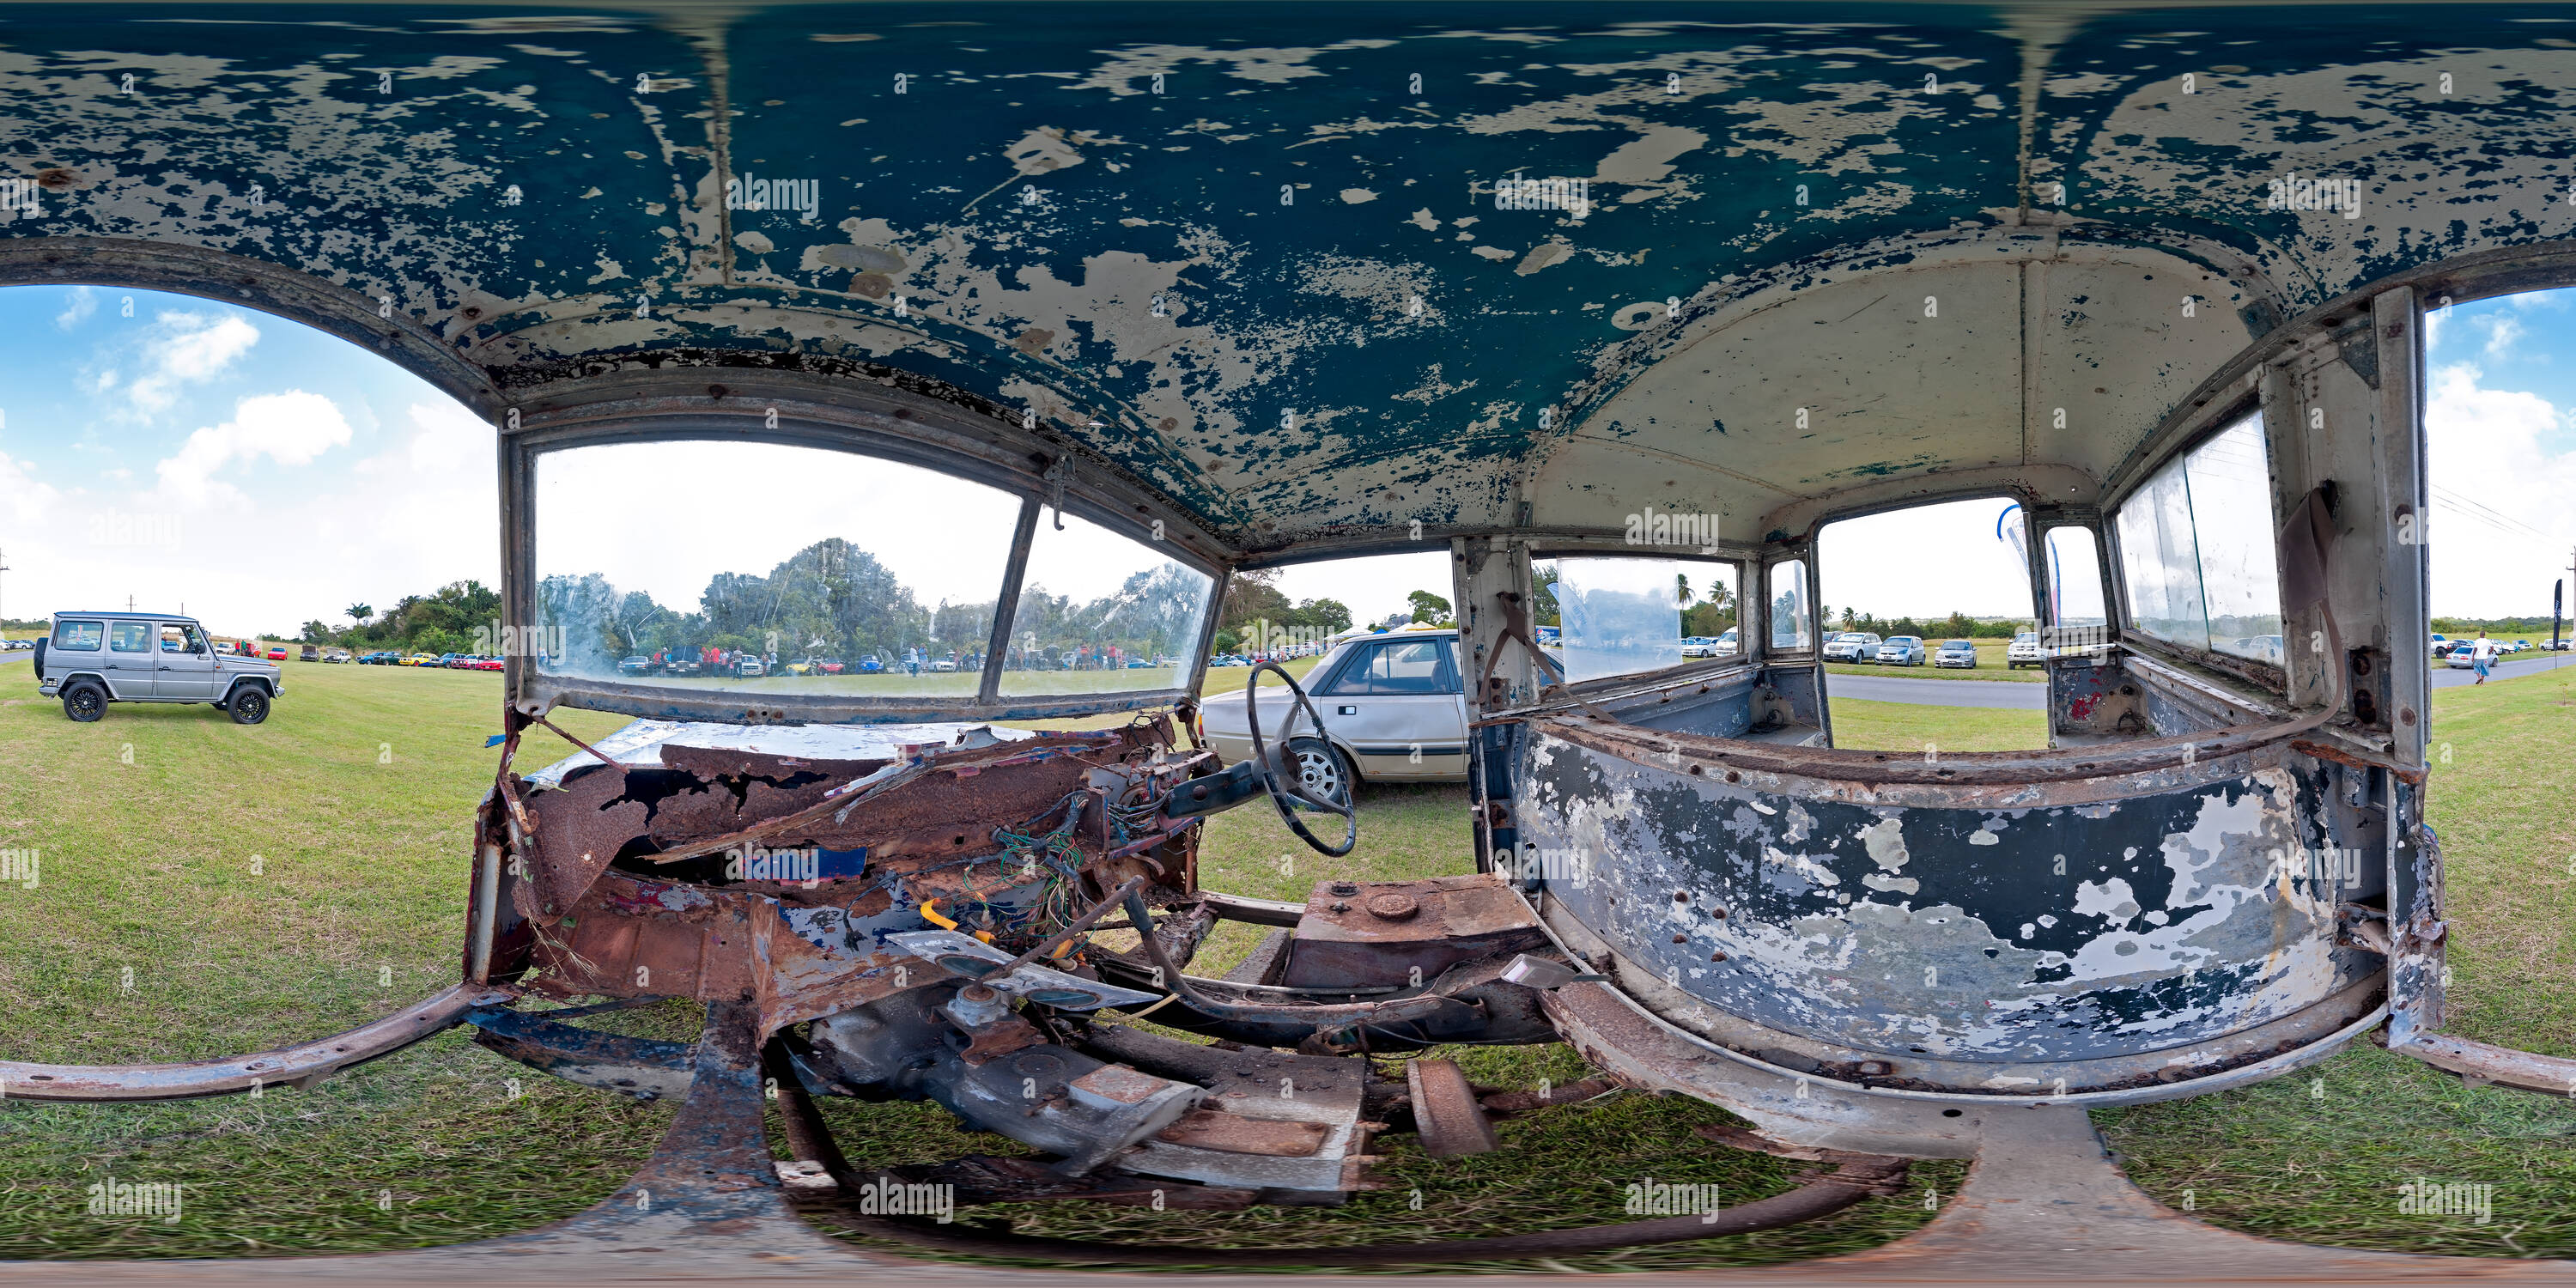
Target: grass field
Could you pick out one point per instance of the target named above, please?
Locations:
(283, 881)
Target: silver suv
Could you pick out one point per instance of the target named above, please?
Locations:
(92, 659)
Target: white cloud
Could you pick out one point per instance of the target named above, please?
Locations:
(2501, 335)
(290, 428)
(188, 348)
(2486, 447)
(76, 310)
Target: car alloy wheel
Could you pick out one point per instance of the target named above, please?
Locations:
(1320, 769)
(250, 706)
(84, 703)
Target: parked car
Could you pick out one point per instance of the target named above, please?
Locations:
(943, 666)
(92, 659)
(2024, 651)
(1852, 646)
(309, 653)
(490, 664)
(420, 659)
(1901, 650)
(869, 665)
(1726, 645)
(748, 667)
(830, 665)
(1962, 653)
(2521, 646)
(634, 666)
(797, 668)
(683, 666)
(1394, 708)
(1698, 646)
(1138, 664)
(336, 655)
(2463, 657)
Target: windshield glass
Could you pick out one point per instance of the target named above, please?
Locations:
(890, 569)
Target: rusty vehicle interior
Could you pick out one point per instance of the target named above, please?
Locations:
(1224, 288)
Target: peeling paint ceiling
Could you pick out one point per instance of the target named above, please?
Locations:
(1273, 261)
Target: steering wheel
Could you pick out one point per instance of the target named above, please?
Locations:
(1295, 793)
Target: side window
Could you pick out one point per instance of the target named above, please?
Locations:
(2076, 621)
(130, 637)
(1101, 612)
(2196, 549)
(79, 637)
(1619, 616)
(1399, 667)
(1791, 629)
(178, 638)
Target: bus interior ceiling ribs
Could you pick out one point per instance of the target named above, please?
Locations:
(2032, 254)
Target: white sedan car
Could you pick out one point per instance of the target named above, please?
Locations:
(1394, 710)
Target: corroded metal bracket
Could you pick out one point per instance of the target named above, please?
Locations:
(299, 1066)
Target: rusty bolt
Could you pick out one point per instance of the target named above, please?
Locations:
(1681, 939)
(977, 993)
(1341, 907)
(1719, 913)
(1717, 957)
(1345, 889)
(1392, 906)
(1681, 896)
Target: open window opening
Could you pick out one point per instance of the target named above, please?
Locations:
(2500, 537)
(1927, 631)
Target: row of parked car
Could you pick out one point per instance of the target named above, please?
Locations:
(450, 661)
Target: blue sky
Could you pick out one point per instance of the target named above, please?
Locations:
(187, 451)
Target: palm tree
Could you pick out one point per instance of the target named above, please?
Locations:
(360, 612)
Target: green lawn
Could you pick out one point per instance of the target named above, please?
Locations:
(1908, 726)
(355, 797)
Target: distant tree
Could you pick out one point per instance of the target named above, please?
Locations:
(1427, 607)
(1543, 609)
(1327, 616)
(359, 612)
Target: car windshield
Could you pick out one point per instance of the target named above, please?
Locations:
(1850, 637)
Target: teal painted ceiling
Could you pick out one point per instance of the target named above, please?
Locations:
(1265, 258)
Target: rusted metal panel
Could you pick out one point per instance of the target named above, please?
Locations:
(1395, 932)
(302, 1065)
(2162, 914)
(1445, 1112)
(1234, 1134)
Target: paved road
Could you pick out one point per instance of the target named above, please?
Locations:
(2504, 669)
(2025, 696)
(2034, 697)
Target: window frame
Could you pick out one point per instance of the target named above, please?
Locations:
(1346, 670)
(1739, 563)
(2206, 425)
(829, 429)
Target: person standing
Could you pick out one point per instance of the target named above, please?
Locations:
(2482, 655)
